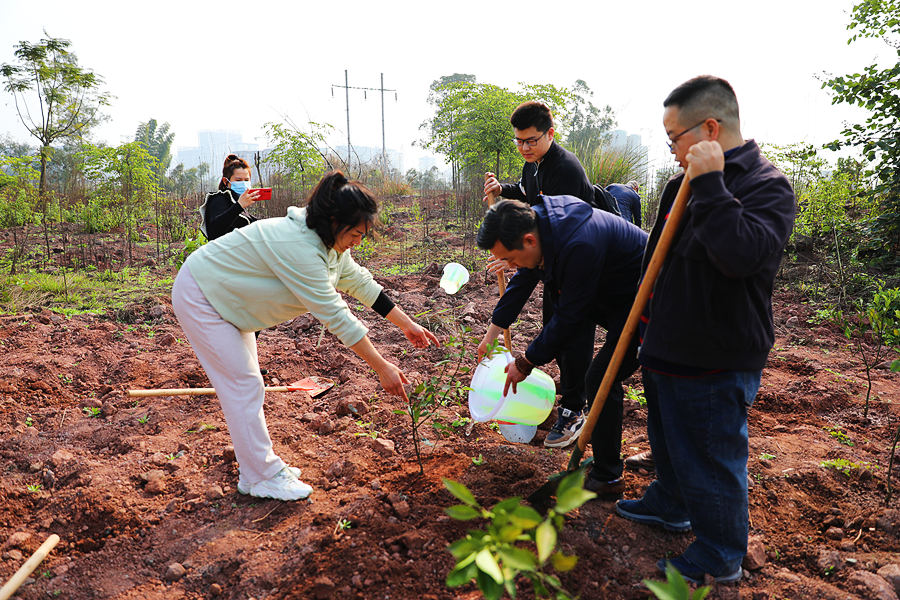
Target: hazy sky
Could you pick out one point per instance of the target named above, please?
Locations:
(236, 65)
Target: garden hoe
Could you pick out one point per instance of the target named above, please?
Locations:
(541, 497)
(16, 581)
(315, 386)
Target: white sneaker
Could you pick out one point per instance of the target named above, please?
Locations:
(244, 488)
(284, 486)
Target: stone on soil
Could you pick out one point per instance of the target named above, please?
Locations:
(756, 554)
(891, 573)
(14, 555)
(174, 572)
(323, 588)
(214, 492)
(383, 447)
(228, 454)
(61, 457)
(872, 586)
(834, 533)
(829, 559)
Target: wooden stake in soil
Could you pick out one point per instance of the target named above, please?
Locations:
(501, 284)
(30, 565)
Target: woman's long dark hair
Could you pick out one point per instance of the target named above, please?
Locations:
(337, 204)
(232, 162)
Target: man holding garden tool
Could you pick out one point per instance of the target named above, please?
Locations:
(554, 171)
(708, 329)
(589, 262)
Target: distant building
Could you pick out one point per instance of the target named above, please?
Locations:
(212, 148)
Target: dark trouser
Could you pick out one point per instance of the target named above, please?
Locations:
(573, 361)
(606, 439)
(698, 433)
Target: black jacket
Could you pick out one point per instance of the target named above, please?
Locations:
(558, 174)
(592, 262)
(222, 214)
(712, 303)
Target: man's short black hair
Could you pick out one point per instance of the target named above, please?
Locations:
(705, 97)
(532, 114)
(507, 221)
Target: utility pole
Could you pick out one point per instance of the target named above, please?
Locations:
(347, 100)
(347, 87)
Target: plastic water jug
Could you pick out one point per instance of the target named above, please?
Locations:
(530, 405)
(455, 276)
(517, 434)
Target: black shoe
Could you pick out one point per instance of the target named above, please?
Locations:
(605, 489)
(694, 574)
(634, 510)
(263, 371)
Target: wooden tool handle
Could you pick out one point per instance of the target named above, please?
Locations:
(199, 391)
(30, 565)
(501, 285)
(637, 308)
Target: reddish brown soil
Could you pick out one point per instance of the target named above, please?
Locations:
(119, 537)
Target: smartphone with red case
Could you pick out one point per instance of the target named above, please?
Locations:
(264, 194)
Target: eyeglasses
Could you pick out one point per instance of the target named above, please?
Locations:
(674, 140)
(530, 142)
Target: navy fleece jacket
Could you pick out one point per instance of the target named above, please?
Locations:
(712, 301)
(591, 265)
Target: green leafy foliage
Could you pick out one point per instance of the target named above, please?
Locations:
(157, 139)
(471, 125)
(295, 153)
(516, 542)
(877, 90)
(675, 588)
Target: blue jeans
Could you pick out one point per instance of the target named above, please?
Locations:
(698, 434)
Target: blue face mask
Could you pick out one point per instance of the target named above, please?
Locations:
(240, 187)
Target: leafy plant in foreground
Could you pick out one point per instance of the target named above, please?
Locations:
(445, 387)
(496, 556)
(675, 588)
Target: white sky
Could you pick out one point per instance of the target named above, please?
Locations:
(235, 65)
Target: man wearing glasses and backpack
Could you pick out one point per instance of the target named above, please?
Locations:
(551, 170)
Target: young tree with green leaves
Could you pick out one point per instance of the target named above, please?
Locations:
(125, 187)
(55, 98)
(877, 90)
(471, 123)
(296, 154)
(158, 141)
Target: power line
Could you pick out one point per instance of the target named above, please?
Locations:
(347, 87)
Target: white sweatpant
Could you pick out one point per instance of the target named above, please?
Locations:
(228, 355)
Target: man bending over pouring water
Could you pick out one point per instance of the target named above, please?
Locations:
(589, 262)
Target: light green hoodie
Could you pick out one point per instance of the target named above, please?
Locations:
(276, 269)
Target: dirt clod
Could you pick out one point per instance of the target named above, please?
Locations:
(18, 540)
(174, 572)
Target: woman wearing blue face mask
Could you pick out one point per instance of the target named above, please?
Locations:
(225, 209)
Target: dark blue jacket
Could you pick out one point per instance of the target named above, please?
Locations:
(712, 302)
(592, 261)
(629, 202)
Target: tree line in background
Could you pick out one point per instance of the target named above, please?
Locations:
(848, 211)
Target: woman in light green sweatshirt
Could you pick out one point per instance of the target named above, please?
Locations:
(270, 272)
